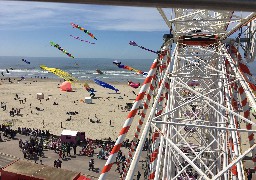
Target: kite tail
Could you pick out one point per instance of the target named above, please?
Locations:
(133, 43)
(148, 49)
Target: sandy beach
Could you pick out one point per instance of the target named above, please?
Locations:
(107, 105)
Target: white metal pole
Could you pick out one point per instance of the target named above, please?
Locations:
(237, 160)
(183, 155)
(224, 140)
(212, 101)
(243, 22)
(135, 160)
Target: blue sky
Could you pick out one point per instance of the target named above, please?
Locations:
(26, 28)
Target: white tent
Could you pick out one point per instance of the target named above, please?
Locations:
(40, 96)
(88, 100)
(69, 133)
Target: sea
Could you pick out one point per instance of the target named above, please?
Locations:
(80, 68)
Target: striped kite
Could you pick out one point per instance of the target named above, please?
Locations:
(60, 73)
(24, 60)
(61, 49)
(105, 85)
(128, 68)
(82, 29)
(68, 77)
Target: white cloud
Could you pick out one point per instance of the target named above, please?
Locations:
(45, 15)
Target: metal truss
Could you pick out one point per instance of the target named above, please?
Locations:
(201, 114)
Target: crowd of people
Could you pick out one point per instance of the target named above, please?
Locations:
(32, 148)
(7, 131)
(36, 132)
(39, 140)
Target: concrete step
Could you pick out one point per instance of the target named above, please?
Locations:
(6, 159)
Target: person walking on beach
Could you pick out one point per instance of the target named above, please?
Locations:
(110, 122)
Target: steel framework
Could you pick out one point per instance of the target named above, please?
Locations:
(201, 122)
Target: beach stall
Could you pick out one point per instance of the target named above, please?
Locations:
(72, 136)
(66, 86)
(88, 100)
(40, 96)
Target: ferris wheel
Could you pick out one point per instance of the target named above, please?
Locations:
(198, 118)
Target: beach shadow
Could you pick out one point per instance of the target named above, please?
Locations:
(66, 159)
(97, 170)
(73, 156)
(114, 93)
(97, 97)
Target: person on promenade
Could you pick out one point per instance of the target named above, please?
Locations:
(74, 148)
(249, 174)
(91, 165)
(59, 163)
(55, 163)
(68, 150)
(138, 175)
(60, 154)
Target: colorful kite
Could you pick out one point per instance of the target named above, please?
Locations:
(24, 60)
(63, 50)
(58, 72)
(128, 68)
(82, 29)
(68, 77)
(133, 43)
(134, 85)
(78, 38)
(105, 85)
